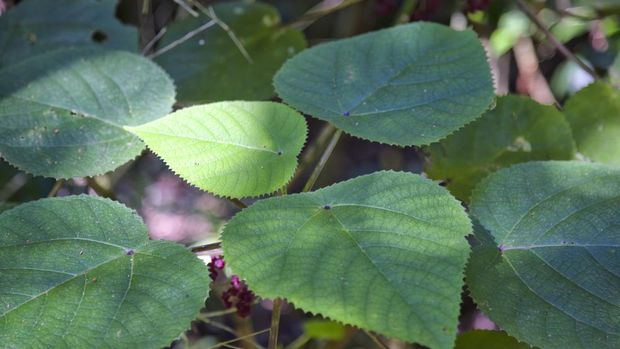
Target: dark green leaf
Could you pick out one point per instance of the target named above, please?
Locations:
(517, 130)
(409, 85)
(548, 269)
(63, 112)
(80, 272)
(210, 67)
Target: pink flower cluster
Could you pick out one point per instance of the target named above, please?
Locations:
(238, 294)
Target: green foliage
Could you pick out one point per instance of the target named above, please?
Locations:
(232, 149)
(384, 252)
(37, 26)
(80, 272)
(210, 67)
(594, 115)
(324, 329)
(408, 85)
(517, 130)
(63, 112)
(547, 270)
(479, 339)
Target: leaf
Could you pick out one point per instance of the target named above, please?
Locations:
(517, 130)
(384, 252)
(37, 26)
(210, 67)
(594, 116)
(80, 272)
(62, 112)
(548, 269)
(481, 339)
(408, 85)
(232, 149)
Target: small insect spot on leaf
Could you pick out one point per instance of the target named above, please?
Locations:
(94, 280)
(129, 252)
(279, 152)
(327, 207)
(56, 131)
(346, 113)
(99, 36)
(81, 253)
(501, 248)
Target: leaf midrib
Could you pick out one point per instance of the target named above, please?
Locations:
(159, 133)
(82, 273)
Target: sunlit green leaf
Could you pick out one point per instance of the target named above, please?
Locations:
(384, 252)
(232, 149)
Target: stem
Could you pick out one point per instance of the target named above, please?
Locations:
(312, 153)
(237, 339)
(404, 11)
(322, 161)
(59, 183)
(376, 340)
(207, 247)
(99, 189)
(565, 51)
(238, 203)
(320, 10)
(183, 39)
(275, 324)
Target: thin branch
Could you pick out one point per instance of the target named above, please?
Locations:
(322, 161)
(238, 203)
(186, 7)
(320, 10)
(59, 183)
(402, 16)
(275, 324)
(238, 339)
(208, 247)
(375, 339)
(99, 189)
(183, 39)
(565, 51)
(208, 11)
(313, 151)
(153, 41)
(229, 330)
(13, 186)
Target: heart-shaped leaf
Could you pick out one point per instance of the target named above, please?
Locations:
(63, 112)
(80, 272)
(232, 149)
(548, 269)
(594, 116)
(385, 252)
(37, 26)
(408, 85)
(517, 130)
(210, 67)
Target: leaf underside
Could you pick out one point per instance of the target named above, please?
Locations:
(210, 67)
(384, 252)
(63, 112)
(80, 272)
(547, 269)
(518, 129)
(409, 85)
(233, 149)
